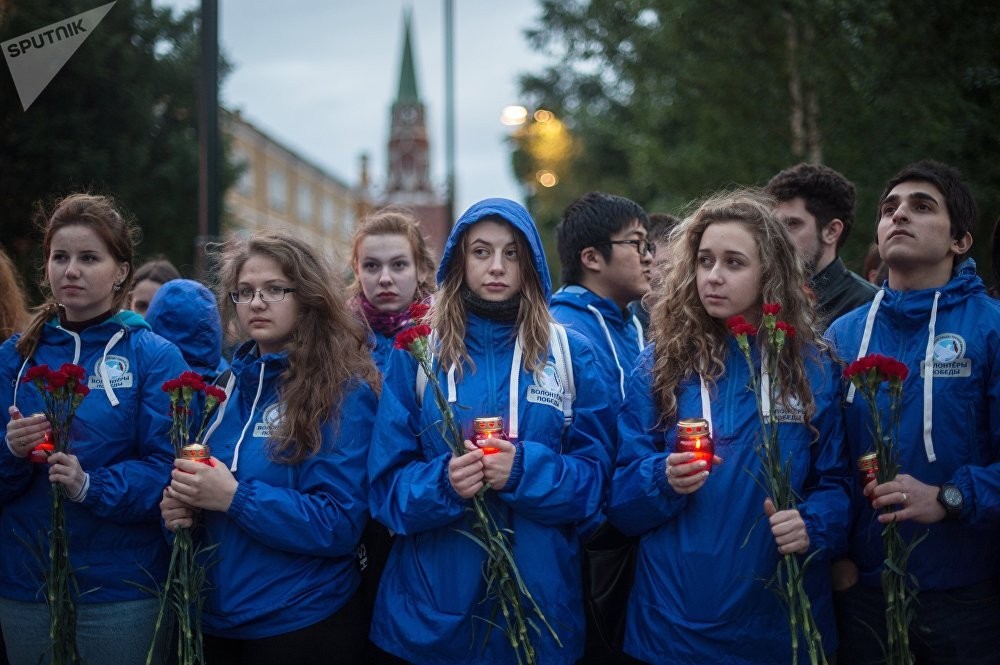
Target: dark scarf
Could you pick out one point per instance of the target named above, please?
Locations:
(79, 326)
(385, 323)
(504, 311)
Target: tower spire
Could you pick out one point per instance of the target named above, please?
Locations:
(407, 93)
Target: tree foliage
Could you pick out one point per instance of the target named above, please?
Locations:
(119, 118)
(670, 100)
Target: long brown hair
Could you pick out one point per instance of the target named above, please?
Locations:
(688, 341)
(13, 309)
(101, 215)
(392, 222)
(328, 348)
(448, 315)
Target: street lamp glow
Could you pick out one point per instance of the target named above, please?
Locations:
(513, 115)
(547, 178)
(541, 115)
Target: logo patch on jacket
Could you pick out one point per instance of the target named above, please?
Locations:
(949, 357)
(547, 388)
(118, 374)
(270, 421)
(793, 413)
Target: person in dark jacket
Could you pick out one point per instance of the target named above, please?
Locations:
(121, 452)
(817, 204)
(700, 593)
(287, 496)
(935, 316)
(493, 356)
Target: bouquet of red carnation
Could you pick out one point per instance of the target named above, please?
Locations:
(776, 478)
(182, 589)
(900, 590)
(504, 582)
(63, 390)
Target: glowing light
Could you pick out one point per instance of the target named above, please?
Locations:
(513, 115)
(541, 115)
(547, 178)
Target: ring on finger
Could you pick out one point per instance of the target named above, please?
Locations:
(904, 496)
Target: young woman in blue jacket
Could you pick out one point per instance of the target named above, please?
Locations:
(699, 592)
(121, 452)
(393, 268)
(286, 497)
(493, 357)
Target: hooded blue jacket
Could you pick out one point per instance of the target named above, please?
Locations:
(616, 336)
(184, 312)
(429, 607)
(285, 557)
(965, 418)
(700, 593)
(115, 539)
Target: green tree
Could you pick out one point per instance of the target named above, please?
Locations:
(668, 101)
(119, 118)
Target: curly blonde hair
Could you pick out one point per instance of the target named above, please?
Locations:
(688, 341)
(328, 348)
(447, 315)
(396, 222)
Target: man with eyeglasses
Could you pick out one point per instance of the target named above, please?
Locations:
(606, 261)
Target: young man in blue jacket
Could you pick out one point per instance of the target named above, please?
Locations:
(606, 260)
(936, 317)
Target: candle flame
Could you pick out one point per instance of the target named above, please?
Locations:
(697, 443)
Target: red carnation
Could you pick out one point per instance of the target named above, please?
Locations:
(191, 380)
(407, 337)
(56, 380)
(81, 389)
(73, 371)
(36, 372)
(739, 326)
(418, 310)
(216, 392)
(788, 328)
(772, 308)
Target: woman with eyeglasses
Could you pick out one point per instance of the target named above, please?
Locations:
(286, 496)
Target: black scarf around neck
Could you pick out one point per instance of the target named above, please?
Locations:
(504, 311)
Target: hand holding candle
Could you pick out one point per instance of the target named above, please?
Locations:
(693, 437)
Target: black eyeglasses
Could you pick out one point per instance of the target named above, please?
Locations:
(642, 246)
(267, 294)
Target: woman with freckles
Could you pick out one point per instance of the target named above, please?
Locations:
(699, 592)
(286, 496)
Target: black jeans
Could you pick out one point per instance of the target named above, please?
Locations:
(340, 638)
(954, 627)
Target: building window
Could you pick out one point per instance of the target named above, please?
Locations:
(277, 194)
(305, 202)
(246, 180)
(328, 215)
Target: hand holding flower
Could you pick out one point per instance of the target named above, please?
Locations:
(209, 487)
(497, 466)
(66, 470)
(466, 472)
(918, 500)
(175, 513)
(788, 529)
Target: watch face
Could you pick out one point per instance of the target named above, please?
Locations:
(951, 496)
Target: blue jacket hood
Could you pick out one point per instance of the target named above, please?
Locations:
(916, 305)
(185, 312)
(514, 213)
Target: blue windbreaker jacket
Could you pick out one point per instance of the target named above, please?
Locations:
(285, 557)
(184, 312)
(429, 607)
(700, 593)
(617, 337)
(115, 540)
(965, 418)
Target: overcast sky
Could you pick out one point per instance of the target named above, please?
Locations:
(320, 75)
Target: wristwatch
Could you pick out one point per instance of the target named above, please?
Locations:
(951, 498)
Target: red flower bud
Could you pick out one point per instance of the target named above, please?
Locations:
(772, 308)
(418, 310)
(405, 338)
(36, 372)
(73, 371)
(789, 330)
(216, 392)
